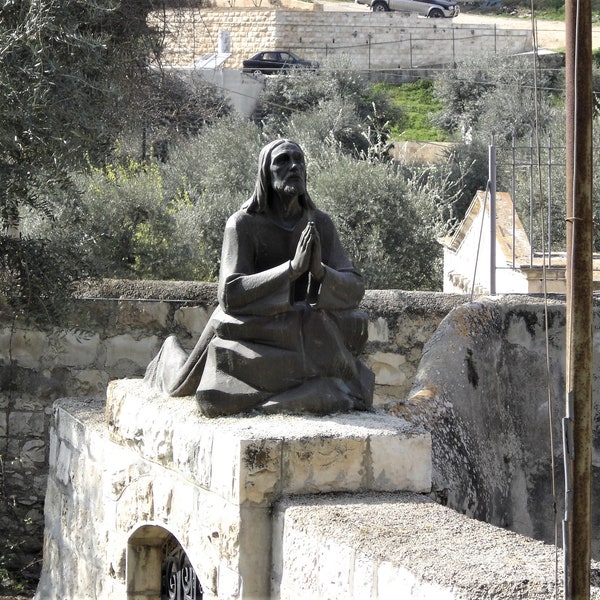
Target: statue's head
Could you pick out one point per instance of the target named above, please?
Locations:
(263, 189)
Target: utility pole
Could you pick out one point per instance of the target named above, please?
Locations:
(578, 420)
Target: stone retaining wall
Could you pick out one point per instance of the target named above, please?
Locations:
(373, 41)
(113, 332)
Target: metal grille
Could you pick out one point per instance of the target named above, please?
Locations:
(534, 176)
(178, 579)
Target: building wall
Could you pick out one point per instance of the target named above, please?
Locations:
(373, 41)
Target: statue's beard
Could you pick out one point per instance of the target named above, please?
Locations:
(293, 189)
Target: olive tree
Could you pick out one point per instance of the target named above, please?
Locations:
(65, 70)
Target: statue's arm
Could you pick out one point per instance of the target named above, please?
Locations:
(241, 289)
(341, 286)
(339, 290)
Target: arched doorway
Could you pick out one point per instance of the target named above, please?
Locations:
(158, 567)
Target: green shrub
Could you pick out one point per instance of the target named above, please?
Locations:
(388, 230)
(494, 93)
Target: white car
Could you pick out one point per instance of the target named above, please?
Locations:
(435, 9)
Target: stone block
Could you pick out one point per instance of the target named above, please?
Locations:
(379, 330)
(260, 470)
(225, 467)
(363, 577)
(136, 314)
(63, 464)
(25, 347)
(76, 349)
(127, 348)
(192, 453)
(335, 569)
(90, 382)
(68, 429)
(33, 453)
(299, 554)
(387, 368)
(26, 424)
(256, 459)
(324, 464)
(401, 463)
(147, 460)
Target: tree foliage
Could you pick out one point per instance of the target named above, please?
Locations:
(341, 106)
(495, 94)
(166, 220)
(65, 69)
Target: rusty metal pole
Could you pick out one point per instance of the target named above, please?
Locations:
(578, 25)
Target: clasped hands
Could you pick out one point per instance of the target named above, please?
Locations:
(308, 254)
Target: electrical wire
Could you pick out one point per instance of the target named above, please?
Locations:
(546, 251)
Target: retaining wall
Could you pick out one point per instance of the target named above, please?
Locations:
(113, 332)
(373, 41)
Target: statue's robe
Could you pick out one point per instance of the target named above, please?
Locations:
(275, 344)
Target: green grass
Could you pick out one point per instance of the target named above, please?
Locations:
(418, 105)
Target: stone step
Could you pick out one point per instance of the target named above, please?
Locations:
(403, 545)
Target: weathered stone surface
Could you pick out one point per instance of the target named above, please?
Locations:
(254, 458)
(76, 349)
(378, 330)
(125, 348)
(25, 347)
(23, 423)
(388, 368)
(144, 463)
(193, 319)
(483, 387)
(143, 314)
(403, 545)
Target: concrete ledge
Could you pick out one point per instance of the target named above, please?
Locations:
(254, 459)
(403, 545)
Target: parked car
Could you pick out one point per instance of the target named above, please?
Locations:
(273, 61)
(435, 9)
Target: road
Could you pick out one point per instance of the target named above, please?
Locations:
(551, 34)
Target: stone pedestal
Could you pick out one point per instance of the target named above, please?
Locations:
(126, 473)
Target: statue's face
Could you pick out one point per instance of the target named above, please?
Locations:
(288, 171)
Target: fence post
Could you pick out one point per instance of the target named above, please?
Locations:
(514, 196)
(550, 199)
(492, 177)
(531, 199)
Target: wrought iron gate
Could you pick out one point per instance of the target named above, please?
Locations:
(178, 579)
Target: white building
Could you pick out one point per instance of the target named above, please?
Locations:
(467, 262)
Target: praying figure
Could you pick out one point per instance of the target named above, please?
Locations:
(287, 333)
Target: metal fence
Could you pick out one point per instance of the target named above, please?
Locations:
(534, 174)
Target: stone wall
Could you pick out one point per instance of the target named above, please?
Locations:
(479, 395)
(142, 466)
(491, 389)
(373, 41)
(113, 332)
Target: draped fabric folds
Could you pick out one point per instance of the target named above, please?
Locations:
(275, 344)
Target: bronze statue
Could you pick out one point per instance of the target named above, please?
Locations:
(287, 332)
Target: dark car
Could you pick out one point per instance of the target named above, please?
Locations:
(275, 61)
